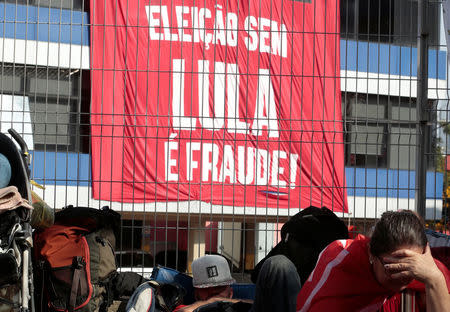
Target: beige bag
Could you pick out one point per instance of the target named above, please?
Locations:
(11, 199)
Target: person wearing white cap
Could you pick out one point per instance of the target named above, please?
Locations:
(211, 271)
(276, 290)
(212, 282)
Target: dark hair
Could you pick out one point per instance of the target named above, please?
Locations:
(396, 229)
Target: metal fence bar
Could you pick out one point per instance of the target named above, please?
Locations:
(422, 107)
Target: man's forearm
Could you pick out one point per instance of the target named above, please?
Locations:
(193, 306)
(437, 296)
(198, 304)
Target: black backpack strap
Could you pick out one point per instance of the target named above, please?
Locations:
(168, 295)
(41, 269)
(4, 301)
(159, 297)
(77, 282)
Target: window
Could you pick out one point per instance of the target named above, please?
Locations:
(77, 5)
(381, 132)
(404, 110)
(402, 150)
(367, 139)
(387, 21)
(54, 104)
(367, 145)
(365, 117)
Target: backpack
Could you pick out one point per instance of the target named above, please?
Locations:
(75, 259)
(440, 246)
(155, 296)
(304, 236)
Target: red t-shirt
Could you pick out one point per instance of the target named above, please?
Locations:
(343, 279)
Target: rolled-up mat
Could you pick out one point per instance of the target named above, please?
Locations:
(43, 215)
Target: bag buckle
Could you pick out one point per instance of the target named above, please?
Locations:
(78, 263)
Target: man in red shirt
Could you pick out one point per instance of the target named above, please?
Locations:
(369, 274)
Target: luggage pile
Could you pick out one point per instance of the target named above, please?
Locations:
(16, 284)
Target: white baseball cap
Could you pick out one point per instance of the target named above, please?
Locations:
(211, 271)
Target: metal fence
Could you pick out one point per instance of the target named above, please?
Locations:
(47, 89)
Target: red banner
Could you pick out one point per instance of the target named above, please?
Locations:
(231, 102)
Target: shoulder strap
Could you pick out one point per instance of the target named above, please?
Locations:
(158, 294)
(77, 282)
(168, 295)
